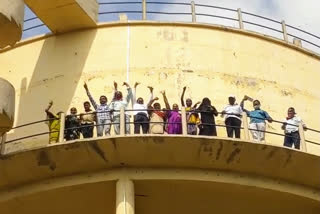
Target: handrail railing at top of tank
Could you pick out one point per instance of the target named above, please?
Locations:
(310, 40)
(121, 123)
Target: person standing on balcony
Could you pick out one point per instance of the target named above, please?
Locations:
(140, 111)
(116, 105)
(72, 125)
(258, 119)
(53, 123)
(103, 113)
(232, 114)
(291, 128)
(87, 120)
(192, 117)
(208, 112)
(157, 117)
(174, 117)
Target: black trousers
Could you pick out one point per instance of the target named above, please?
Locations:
(141, 119)
(233, 127)
(292, 138)
(87, 130)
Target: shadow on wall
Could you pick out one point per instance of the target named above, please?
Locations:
(55, 77)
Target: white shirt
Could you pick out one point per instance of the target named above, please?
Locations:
(233, 109)
(140, 108)
(293, 124)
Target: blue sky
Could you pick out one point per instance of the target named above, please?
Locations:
(301, 14)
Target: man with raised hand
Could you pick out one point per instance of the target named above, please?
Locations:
(103, 113)
(115, 106)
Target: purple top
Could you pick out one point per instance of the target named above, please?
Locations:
(174, 117)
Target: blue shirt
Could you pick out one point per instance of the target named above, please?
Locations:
(258, 114)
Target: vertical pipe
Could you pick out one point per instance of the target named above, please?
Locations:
(303, 145)
(144, 9)
(245, 126)
(62, 126)
(193, 11)
(125, 196)
(184, 121)
(122, 121)
(240, 18)
(284, 30)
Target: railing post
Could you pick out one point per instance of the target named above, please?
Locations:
(184, 121)
(303, 145)
(62, 126)
(125, 196)
(240, 18)
(193, 11)
(144, 9)
(284, 30)
(122, 121)
(245, 126)
(3, 141)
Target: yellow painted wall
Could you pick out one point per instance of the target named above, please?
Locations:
(212, 62)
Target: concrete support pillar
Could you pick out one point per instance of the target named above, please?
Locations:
(193, 11)
(7, 106)
(11, 21)
(125, 196)
(144, 9)
(62, 126)
(303, 145)
(284, 30)
(122, 122)
(245, 126)
(2, 145)
(240, 18)
(184, 121)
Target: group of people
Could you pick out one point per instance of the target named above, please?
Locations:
(152, 119)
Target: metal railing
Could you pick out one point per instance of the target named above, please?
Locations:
(183, 123)
(191, 12)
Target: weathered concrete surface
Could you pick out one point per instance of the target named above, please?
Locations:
(11, 21)
(7, 105)
(66, 15)
(168, 152)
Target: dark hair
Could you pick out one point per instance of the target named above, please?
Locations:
(291, 109)
(257, 101)
(86, 102)
(103, 96)
(206, 102)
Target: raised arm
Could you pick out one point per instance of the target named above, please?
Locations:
(196, 105)
(182, 95)
(134, 97)
(92, 101)
(151, 93)
(214, 111)
(151, 102)
(242, 104)
(129, 95)
(48, 112)
(115, 89)
(165, 99)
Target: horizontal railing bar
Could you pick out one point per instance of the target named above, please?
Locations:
(33, 27)
(311, 43)
(216, 16)
(122, 2)
(270, 28)
(30, 19)
(303, 31)
(170, 3)
(309, 141)
(167, 13)
(262, 17)
(216, 7)
(30, 136)
(112, 12)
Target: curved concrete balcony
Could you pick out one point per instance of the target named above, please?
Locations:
(150, 170)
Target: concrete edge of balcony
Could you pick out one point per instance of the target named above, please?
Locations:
(160, 152)
(176, 24)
